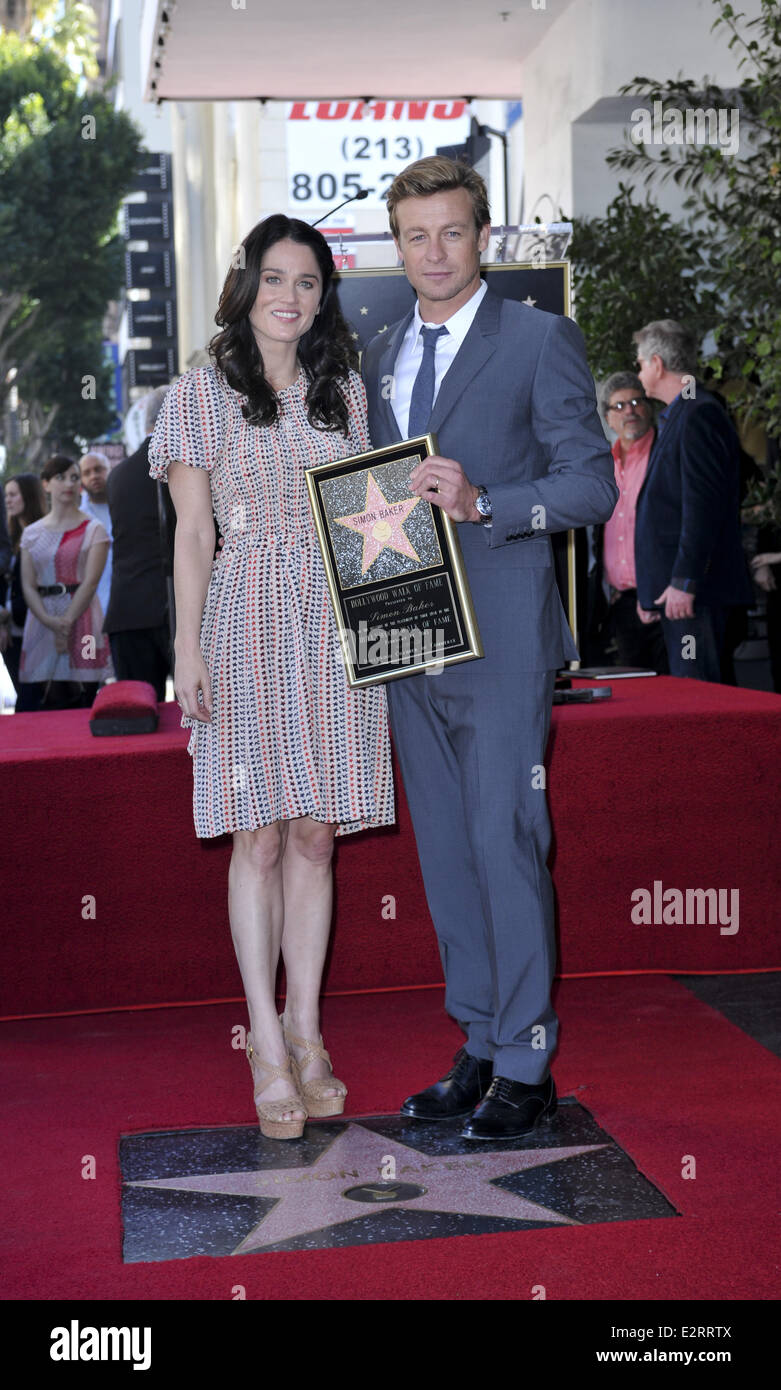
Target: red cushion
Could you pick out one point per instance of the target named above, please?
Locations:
(125, 700)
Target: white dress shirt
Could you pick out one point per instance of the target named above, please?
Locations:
(410, 354)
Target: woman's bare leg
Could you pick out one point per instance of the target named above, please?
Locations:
(308, 898)
(256, 909)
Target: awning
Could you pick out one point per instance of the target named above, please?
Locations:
(200, 50)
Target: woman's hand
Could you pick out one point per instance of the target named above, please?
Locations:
(62, 627)
(191, 677)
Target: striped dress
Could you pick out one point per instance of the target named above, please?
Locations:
(287, 737)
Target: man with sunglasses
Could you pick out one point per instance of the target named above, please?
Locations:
(629, 414)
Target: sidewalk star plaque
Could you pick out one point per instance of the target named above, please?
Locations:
(393, 564)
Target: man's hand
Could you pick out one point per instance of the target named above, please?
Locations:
(648, 615)
(677, 603)
(444, 482)
(761, 572)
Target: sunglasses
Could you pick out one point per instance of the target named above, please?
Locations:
(623, 405)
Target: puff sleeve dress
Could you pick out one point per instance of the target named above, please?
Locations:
(287, 736)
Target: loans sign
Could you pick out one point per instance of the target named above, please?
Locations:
(335, 148)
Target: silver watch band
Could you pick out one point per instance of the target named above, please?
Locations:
(486, 515)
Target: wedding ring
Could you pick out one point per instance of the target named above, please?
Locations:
(436, 484)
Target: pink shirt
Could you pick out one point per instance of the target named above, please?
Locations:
(619, 538)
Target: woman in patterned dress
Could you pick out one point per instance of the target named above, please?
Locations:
(285, 754)
(65, 653)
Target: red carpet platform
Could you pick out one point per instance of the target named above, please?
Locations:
(665, 1075)
(672, 782)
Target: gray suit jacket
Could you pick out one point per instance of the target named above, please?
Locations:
(517, 410)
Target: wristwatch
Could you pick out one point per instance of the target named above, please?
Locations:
(483, 505)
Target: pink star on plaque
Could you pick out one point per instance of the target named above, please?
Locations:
(380, 524)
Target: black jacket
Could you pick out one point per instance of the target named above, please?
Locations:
(138, 589)
(687, 530)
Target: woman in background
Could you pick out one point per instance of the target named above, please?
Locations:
(25, 502)
(65, 653)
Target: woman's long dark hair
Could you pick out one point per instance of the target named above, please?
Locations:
(33, 505)
(325, 350)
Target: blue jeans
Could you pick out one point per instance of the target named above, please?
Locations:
(694, 644)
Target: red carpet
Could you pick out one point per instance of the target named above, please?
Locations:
(672, 781)
(664, 1074)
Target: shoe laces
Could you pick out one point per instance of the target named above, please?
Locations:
(460, 1063)
(499, 1089)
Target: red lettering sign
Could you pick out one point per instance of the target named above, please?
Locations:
(377, 110)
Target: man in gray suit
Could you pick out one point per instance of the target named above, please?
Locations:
(508, 393)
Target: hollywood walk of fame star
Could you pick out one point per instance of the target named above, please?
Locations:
(380, 524)
(311, 1198)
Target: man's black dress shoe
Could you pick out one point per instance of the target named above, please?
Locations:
(510, 1109)
(456, 1094)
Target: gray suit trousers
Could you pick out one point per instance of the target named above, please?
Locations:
(472, 777)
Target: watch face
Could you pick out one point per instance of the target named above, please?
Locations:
(483, 504)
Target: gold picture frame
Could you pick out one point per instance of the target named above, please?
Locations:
(393, 564)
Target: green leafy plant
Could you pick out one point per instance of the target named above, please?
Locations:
(66, 160)
(733, 204)
(633, 265)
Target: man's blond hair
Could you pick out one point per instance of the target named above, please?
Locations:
(438, 174)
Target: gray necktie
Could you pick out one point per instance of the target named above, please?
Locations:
(422, 398)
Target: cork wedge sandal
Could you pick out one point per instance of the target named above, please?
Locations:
(271, 1112)
(318, 1104)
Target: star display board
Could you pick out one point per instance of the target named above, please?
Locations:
(373, 300)
(376, 1178)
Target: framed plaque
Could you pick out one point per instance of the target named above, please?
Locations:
(393, 564)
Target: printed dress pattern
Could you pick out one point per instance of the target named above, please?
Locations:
(287, 736)
(60, 557)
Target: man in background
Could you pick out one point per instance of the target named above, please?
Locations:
(94, 469)
(629, 413)
(691, 568)
(137, 616)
